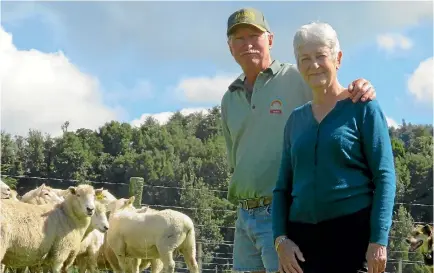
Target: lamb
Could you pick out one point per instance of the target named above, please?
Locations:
(93, 240)
(108, 256)
(30, 234)
(5, 190)
(151, 235)
(41, 195)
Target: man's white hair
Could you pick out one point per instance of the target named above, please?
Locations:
(317, 32)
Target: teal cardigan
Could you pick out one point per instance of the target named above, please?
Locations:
(336, 168)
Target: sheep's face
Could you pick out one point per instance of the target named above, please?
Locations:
(83, 197)
(48, 195)
(99, 219)
(5, 190)
(104, 196)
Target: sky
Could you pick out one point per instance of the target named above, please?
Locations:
(93, 62)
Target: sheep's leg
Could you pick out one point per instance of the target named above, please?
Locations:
(46, 269)
(59, 264)
(118, 247)
(123, 263)
(81, 264)
(2, 254)
(56, 267)
(92, 263)
(69, 261)
(191, 262)
(134, 264)
(156, 265)
(166, 256)
(35, 269)
(112, 260)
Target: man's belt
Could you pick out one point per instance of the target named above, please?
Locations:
(255, 203)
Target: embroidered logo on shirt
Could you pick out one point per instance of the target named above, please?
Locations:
(276, 107)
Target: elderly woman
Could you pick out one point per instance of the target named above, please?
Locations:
(333, 201)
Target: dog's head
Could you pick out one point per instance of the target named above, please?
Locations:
(420, 236)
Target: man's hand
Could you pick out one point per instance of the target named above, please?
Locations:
(361, 89)
(377, 258)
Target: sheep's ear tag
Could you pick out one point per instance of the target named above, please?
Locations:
(100, 196)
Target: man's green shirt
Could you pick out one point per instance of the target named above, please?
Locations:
(253, 128)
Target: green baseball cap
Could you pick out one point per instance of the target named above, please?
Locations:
(249, 16)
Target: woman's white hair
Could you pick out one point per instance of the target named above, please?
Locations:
(317, 32)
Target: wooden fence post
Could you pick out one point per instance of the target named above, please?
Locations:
(199, 256)
(400, 265)
(136, 189)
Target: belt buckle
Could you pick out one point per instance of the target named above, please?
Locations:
(244, 204)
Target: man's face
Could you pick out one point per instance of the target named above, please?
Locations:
(250, 46)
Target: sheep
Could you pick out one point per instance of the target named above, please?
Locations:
(108, 256)
(152, 234)
(41, 195)
(93, 240)
(14, 195)
(89, 245)
(50, 234)
(5, 190)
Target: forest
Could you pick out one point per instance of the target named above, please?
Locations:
(183, 163)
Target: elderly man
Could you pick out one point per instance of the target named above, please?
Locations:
(255, 109)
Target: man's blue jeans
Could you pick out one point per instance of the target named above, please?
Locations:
(253, 242)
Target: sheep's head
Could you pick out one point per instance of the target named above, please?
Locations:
(83, 197)
(99, 219)
(47, 195)
(5, 190)
(121, 204)
(104, 196)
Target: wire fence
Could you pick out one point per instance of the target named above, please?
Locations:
(221, 264)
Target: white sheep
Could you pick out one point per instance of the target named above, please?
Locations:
(93, 240)
(41, 195)
(30, 235)
(89, 245)
(5, 190)
(151, 235)
(107, 259)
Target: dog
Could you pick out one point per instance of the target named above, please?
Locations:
(421, 238)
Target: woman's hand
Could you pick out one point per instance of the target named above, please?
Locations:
(287, 252)
(377, 258)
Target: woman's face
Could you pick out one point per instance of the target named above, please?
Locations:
(317, 65)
